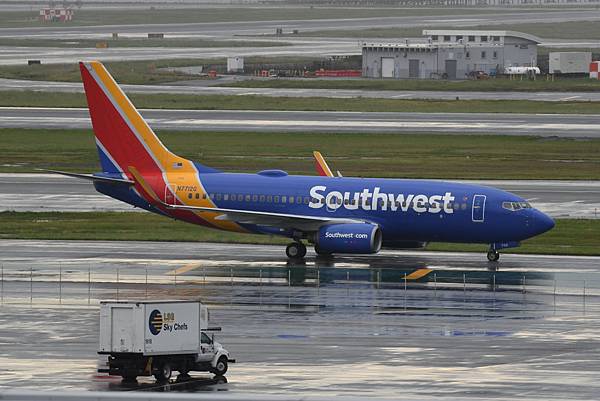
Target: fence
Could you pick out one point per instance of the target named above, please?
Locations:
(86, 285)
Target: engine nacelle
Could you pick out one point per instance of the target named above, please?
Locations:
(349, 238)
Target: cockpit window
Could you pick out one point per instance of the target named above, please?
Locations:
(516, 205)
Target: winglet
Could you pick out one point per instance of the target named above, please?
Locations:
(321, 165)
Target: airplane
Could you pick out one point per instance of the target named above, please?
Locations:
(333, 213)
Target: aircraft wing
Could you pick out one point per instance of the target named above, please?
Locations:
(90, 177)
(283, 220)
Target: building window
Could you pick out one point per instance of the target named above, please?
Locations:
(495, 54)
(471, 38)
(496, 38)
(459, 38)
(484, 39)
(446, 38)
(434, 37)
(483, 54)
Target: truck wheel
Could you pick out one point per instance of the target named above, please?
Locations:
(221, 368)
(163, 373)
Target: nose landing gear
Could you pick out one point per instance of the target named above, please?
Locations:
(295, 250)
(493, 255)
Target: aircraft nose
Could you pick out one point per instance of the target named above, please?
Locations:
(542, 222)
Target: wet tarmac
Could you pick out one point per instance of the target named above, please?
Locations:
(51, 192)
(398, 324)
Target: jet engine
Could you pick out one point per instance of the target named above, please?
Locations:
(348, 238)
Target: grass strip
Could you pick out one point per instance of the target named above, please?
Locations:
(255, 102)
(418, 155)
(558, 30)
(569, 237)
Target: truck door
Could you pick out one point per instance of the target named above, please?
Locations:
(478, 212)
(122, 329)
(207, 348)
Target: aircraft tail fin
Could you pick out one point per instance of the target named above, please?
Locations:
(123, 137)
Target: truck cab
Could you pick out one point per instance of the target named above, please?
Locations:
(156, 338)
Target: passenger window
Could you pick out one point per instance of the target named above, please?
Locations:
(276, 199)
(262, 198)
(190, 195)
(254, 198)
(218, 196)
(269, 198)
(247, 198)
(212, 196)
(306, 200)
(204, 196)
(226, 197)
(197, 195)
(291, 199)
(284, 199)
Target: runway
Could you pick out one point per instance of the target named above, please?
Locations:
(202, 88)
(49, 192)
(544, 125)
(348, 326)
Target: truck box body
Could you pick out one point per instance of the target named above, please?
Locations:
(152, 328)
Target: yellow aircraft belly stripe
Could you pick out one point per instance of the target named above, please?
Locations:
(183, 269)
(417, 274)
(186, 175)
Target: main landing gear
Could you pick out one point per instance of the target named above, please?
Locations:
(295, 250)
(493, 255)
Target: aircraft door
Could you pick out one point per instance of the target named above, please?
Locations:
(169, 197)
(478, 211)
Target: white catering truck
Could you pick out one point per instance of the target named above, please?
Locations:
(155, 338)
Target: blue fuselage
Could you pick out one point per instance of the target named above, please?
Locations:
(405, 210)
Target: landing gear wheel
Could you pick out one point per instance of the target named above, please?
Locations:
(163, 373)
(493, 255)
(295, 250)
(221, 368)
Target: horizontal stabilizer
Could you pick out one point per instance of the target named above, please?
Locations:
(90, 177)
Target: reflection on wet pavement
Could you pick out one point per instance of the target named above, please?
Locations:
(414, 323)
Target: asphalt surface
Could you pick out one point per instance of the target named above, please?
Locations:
(204, 87)
(348, 326)
(545, 125)
(229, 29)
(50, 192)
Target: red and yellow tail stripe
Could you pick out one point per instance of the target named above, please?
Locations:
(128, 140)
(321, 165)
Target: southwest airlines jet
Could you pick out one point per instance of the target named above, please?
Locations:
(335, 214)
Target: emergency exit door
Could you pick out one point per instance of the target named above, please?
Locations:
(478, 213)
